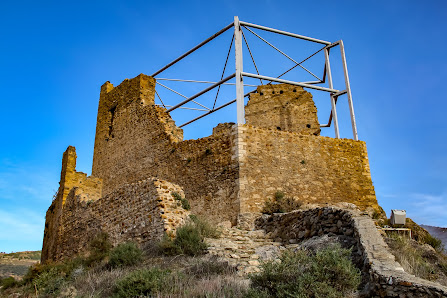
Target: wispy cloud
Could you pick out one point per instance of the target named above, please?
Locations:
(25, 193)
(20, 229)
(21, 182)
(431, 209)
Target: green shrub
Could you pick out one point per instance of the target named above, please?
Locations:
(280, 204)
(328, 273)
(125, 254)
(189, 238)
(167, 246)
(188, 241)
(141, 283)
(184, 202)
(99, 248)
(49, 281)
(204, 227)
(33, 272)
(8, 282)
(434, 242)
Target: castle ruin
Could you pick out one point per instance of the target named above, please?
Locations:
(140, 159)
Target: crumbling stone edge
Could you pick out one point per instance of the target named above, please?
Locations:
(386, 277)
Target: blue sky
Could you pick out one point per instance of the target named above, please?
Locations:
(55, 55)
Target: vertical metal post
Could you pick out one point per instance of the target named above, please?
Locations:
(348, 91)
(329, 80)
(239, 79)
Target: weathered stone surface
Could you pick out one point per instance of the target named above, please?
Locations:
(226, 177)
(136, 139)
(283, 107)
(138, 212)
(312, 169)
(90, 189)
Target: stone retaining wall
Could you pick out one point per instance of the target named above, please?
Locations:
(386, 277)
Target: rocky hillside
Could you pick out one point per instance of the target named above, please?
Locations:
(437, 232)
(16, 264)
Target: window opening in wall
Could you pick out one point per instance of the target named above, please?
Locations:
(112, 117)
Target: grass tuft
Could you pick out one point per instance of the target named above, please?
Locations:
(184, 202)
(280, 204)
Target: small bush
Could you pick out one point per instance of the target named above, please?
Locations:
(443, 267)
(141, 283)
(434, 242)
(33, 272)
(328, 273)
(125, 254)
(49, 281)
(204, 227)
(184, 202)
(280, 204)
(167, 246)
(99, 248)
(8, 282)
(189, 240)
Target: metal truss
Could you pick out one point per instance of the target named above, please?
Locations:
(239, 74)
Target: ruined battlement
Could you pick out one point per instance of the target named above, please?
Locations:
(283, 107)
(226, 176)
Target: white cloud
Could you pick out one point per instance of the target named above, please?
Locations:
(430, 209)
(18, 226)
(23, 182)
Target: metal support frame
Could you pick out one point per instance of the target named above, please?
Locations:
(240, 106)
(348, 91)
(329, 80)
(239, 75)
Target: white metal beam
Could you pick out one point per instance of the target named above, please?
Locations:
(329, 80)
(348, 91)
(240, 107)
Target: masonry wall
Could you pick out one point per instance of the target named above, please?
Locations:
(140, 212)
(313, 169)
(229, 173)
(283, 107)
(135, 139)
(90, 187)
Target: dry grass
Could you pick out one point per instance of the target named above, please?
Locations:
(280, 204)
(97, 282)
(419, 259)
(212, 286)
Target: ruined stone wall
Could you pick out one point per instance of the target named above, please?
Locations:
(90, 187)
(283, 107)
(229, 173)
(313, 169)
(140, 212)
(135, 139)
